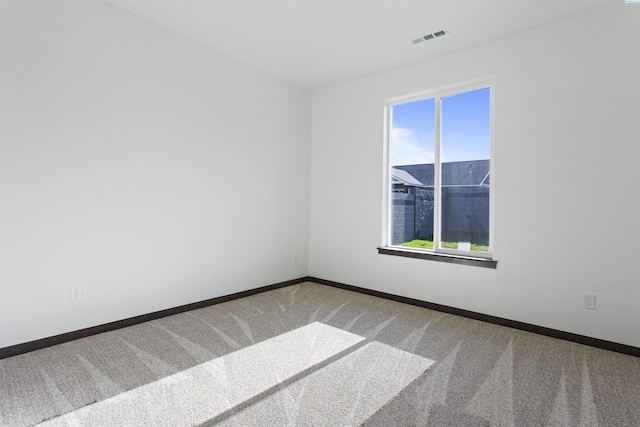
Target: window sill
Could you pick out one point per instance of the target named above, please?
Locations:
(454, 259)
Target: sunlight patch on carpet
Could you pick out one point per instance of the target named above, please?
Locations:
(345, 393)
(369, 375)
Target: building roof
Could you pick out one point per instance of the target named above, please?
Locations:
(465, 173)
(400, 176)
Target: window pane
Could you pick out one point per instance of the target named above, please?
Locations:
(465, 153)
(412, 172)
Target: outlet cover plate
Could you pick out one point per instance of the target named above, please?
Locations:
(589, 301)
(76, 294)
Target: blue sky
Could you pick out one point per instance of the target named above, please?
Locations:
(465, 129)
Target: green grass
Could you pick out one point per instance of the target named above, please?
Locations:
(428, 244)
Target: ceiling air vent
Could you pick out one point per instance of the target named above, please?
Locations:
(430, 36)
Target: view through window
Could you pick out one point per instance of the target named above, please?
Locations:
(440, 172)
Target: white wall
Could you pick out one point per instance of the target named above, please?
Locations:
(149, 169)
(566, 180)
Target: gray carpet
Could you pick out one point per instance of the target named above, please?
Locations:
(309, 354)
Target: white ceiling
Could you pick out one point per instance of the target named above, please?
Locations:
(317, 43)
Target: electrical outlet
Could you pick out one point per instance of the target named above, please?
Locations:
(76, 294)
(589, 301)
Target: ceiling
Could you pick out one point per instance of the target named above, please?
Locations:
(318, 43)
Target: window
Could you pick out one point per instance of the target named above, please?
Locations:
(439, 173)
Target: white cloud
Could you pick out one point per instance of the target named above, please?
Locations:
(407, 149)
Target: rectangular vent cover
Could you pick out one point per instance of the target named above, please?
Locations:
(430, 36)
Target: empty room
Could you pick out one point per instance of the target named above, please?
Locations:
(320, 213)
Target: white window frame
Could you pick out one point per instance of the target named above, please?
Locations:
(438, 95)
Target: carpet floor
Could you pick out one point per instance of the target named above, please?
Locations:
(314, 355)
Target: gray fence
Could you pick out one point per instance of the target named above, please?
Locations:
(465, 215)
